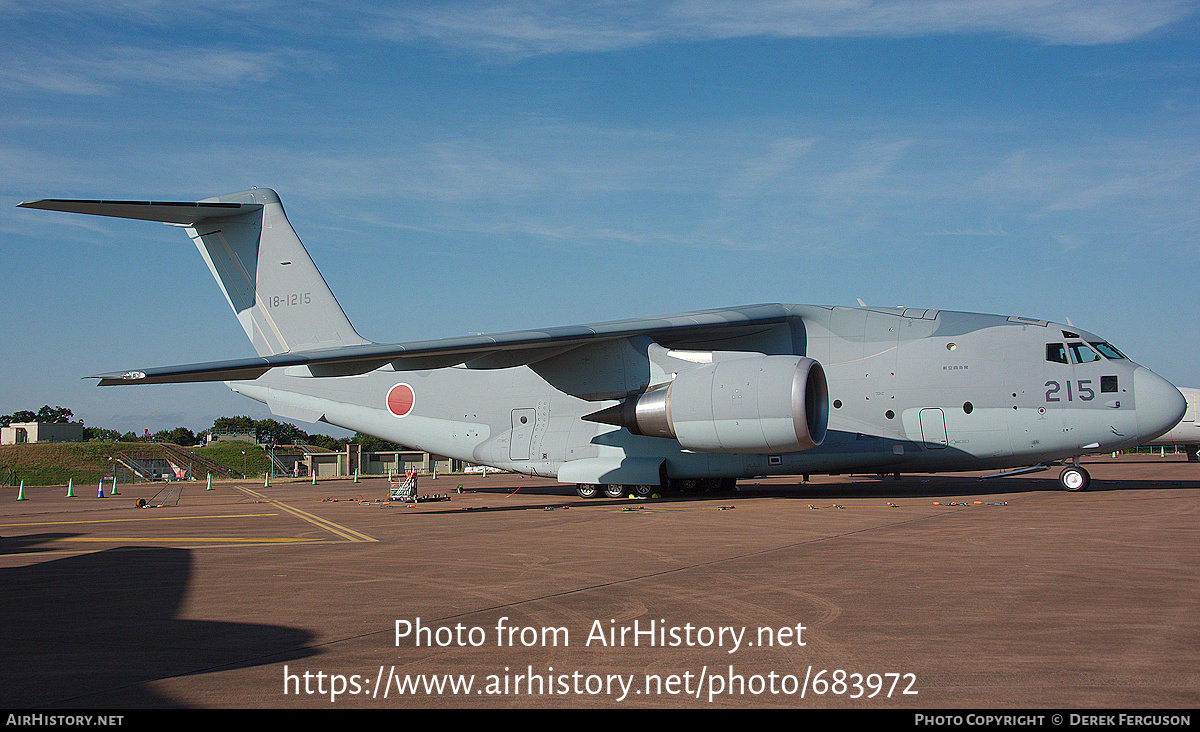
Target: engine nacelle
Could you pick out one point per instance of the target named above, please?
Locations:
(743, 405)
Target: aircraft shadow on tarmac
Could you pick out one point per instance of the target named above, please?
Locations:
(92, 630)
(918, 486)
(860, 486)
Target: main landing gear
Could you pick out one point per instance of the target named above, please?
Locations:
(613, 490)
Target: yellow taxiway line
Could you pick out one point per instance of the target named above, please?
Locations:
(174, 539)
(141, 518)
(336, 529)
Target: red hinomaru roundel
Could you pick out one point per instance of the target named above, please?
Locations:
(400, 399)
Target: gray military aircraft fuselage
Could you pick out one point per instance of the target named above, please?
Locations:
(695, 398)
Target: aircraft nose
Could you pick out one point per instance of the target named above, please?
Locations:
(1160, 406)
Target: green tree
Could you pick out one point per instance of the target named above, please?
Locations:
(23, 415)
(179, 436)
(99, 433)
(284, 433)
(327, 442)
(60, 415)
(233, 423)
(280, 433)
(45, 414)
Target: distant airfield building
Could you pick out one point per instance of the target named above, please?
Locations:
(304, 460)
(21, 433)
(226, 435)
(353, 459)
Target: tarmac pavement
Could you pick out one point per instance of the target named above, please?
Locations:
(928, 592)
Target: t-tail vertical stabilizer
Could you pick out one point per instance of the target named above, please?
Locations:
(270, 281)
(268, 278)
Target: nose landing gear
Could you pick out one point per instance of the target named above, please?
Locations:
(1074, 478)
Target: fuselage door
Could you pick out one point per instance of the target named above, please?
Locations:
(933, 429)
(523, 421)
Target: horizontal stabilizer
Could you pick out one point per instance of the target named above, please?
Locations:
(168, 212)
(238, 370)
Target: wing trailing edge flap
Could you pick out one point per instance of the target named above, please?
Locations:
(502, 350)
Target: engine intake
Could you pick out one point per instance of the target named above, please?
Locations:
(743, 405)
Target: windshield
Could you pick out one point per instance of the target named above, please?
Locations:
(1081, 353)
(1107, 350)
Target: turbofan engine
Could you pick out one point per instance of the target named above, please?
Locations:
(742, 405)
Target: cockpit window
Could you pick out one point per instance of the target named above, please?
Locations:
(1108, 351)
(1056, 353)
(1081, 353)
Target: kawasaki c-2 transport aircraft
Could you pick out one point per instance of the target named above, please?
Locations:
(674, 402)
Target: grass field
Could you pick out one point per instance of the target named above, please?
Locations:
(86, 462)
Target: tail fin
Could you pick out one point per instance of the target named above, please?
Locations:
(268, 278)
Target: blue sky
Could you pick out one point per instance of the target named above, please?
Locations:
(467, 167)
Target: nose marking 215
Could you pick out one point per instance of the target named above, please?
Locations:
(1084, 389)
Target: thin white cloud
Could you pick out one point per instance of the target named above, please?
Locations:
(1055, 21)
(971, 232)
(527, 27)
(553, 26)
(870, 164)
(1069, 241)
(104, 71)
(780, 160)
(510, 29)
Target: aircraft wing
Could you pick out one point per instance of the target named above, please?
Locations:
(479, 351)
